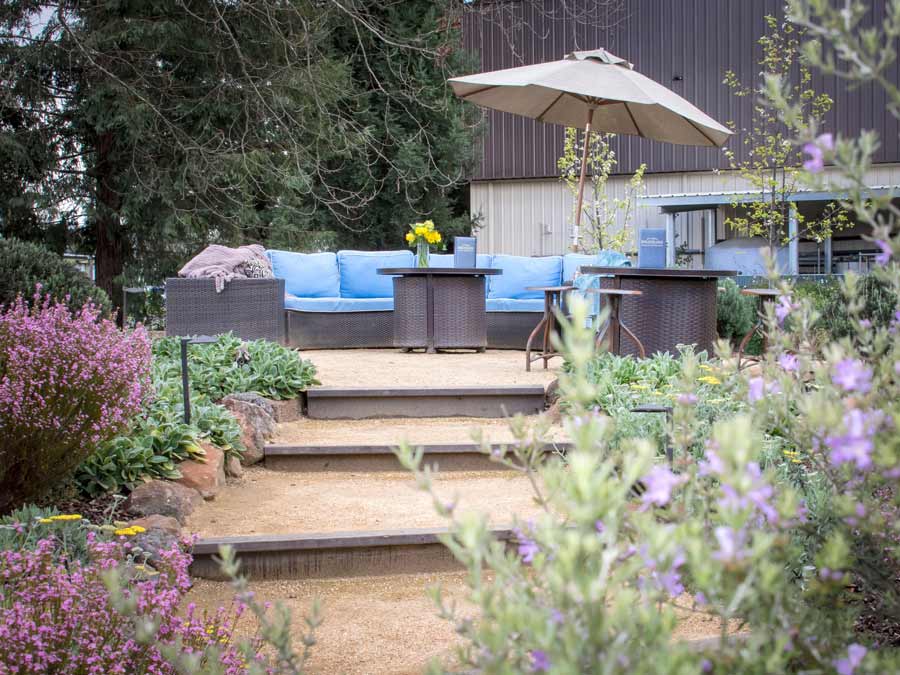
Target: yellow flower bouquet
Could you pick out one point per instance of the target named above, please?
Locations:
(423, 236)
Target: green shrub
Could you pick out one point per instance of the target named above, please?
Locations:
(735, 313)
(829, 301)
(23, 265)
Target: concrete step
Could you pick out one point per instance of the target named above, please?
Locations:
(364, 403)
(368, 445)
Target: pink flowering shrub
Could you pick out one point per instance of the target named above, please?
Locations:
(59, 616)
(67, 383)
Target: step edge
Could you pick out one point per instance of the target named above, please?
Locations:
(297, 450)
(424, 392)
(331, 540)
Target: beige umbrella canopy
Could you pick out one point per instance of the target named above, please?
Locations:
(598, 90)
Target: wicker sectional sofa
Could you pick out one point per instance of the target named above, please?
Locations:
(337, 300)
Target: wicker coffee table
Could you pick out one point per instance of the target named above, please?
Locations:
(439, 307)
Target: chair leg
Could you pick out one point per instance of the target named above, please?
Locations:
(745, 341)
(541, 324)
(634, 338)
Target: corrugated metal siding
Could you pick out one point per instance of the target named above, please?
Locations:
(695, 39)
(534, 217)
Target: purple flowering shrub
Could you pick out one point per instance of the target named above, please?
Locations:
(778, 531)
(68, 382)
(59, 616)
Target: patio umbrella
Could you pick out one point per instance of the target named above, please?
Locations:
(598, 90)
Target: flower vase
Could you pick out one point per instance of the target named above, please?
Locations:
(422, 254)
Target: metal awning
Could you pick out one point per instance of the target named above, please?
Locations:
(698, 201)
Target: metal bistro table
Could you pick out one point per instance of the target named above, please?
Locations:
(675, 306)
(439, 307)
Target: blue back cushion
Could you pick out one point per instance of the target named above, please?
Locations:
(520, 272)
(358, 276)
(572, 261)
(307, 275)
(446, 260)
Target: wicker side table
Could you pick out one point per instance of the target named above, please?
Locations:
(439, 307)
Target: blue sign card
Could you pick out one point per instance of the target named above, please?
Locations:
(652, 247)
(464, 252)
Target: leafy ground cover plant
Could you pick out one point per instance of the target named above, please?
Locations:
(231, 365)
(68, 383)
(159, 439)
(622, 383)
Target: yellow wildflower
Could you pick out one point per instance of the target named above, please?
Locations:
(129, 531)
(437, 237)
(420, 230)
(66, 516)
(410, 237)
(706, 367)
(709, 379)
(638, 385)
(45, 520)
(429, 224)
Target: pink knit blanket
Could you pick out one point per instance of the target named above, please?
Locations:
(223, 264)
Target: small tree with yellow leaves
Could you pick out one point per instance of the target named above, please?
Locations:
(600, 212)
(772, 162)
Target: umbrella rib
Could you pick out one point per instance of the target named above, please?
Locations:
(702, 133)
(540, 118)
(634, 121)
(478, 91)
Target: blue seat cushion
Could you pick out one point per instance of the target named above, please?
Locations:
(572, 261)
(338, 304)
(514, 305)
(312, 275)
(519, 272)
(446, 260)
(359, 278)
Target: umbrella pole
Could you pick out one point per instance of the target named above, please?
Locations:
(576, 233)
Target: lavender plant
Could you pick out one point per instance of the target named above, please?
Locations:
(627, 544)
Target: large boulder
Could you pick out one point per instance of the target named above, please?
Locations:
(254, 415)
(206, 477)
(164, 498)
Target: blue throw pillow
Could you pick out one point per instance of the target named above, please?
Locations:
(519, 272)
(359, 278)
(307, 275)
(572, 261)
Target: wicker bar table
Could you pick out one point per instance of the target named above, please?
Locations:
(675, 306)
(439, 307)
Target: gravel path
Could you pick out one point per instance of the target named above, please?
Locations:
(382, 625)
(393, 368)
(270, 502)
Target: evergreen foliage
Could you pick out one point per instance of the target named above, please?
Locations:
(23, 265)
(143, 131)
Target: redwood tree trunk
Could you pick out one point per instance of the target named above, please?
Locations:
(109, 253)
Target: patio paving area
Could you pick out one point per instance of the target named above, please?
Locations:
(393, 368)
